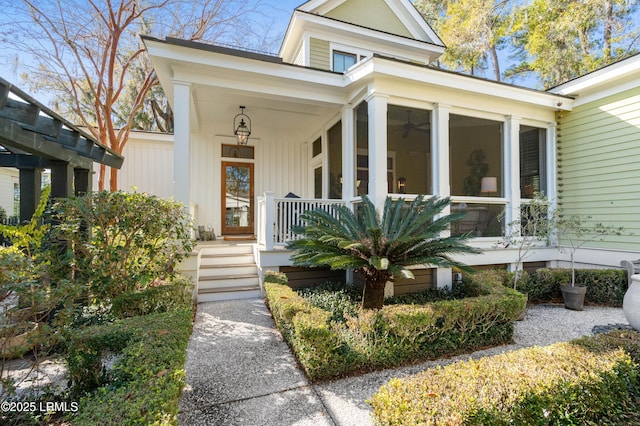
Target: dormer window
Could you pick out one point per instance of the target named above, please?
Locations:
(342, 61)
(344, 57)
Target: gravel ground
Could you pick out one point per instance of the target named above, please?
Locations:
(543, 325)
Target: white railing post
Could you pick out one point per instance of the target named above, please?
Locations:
(260, 226)
(269, 219)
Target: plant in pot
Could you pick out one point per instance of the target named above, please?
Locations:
(531, 229)
(575, 231)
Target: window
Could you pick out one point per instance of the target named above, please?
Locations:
(238, 151)
(334, 136)
(409, 142)
(532, 161)
(342, 61)
(475, 146)
(316, 147)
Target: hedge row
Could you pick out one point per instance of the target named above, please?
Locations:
(605, 286)
(592, 380)
(146, 380)
(396, 334)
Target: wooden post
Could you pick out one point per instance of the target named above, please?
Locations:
(30, 189)
(269, 219)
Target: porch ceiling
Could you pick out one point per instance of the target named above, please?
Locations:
(215, 104)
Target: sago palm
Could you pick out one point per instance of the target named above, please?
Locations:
(381, 248)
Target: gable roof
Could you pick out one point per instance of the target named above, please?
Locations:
(404, 11)
(392, 27)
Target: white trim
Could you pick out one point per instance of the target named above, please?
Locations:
(384, 43)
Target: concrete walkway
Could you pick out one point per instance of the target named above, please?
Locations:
(241, 372)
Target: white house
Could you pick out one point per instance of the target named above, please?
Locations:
(351, 105)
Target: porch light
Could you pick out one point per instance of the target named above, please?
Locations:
(402, 185)
(489, 184)
(242, 129)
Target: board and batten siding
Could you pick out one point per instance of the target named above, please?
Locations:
(147, 166)
(598, 160)
(319, 54)
(375, 14)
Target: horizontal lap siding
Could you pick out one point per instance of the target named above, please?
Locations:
(423, 281)
(598, 161)
(304, 277)
(319, 54)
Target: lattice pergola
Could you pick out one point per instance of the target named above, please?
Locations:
(33, 138)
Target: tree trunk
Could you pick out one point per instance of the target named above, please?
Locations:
(373, 295)
(113, 179)
(101, 177)
(496, 63)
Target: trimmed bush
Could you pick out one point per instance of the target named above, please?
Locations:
(581, 382)
(161, 298)
(395, 334)
(605, 286)
(146, 380)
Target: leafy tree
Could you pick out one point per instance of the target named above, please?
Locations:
(381, 248)
(472, 30)
(563, 39)
(89, 55)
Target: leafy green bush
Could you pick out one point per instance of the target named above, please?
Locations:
(585, 381)
(147, 378)
(275, 277)
(134, 240)
(395, 334)
(160, 298)
(339, 299)
(605, 286)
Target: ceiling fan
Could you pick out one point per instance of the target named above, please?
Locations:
(410, 126)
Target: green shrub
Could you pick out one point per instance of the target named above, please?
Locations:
(147, 378)
(161, 298)
(134, 240)
(275, 277)
(395, 334)
(605, 286)
(339, 299)
(581, 382)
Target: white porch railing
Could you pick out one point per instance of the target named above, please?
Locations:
(277, 217)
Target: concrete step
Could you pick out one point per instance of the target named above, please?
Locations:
(250, 292)
(228, 281)
(219, 249)
(228, 270)
(226, 260)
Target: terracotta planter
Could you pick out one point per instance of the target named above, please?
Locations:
(573, 296)
(631, 302)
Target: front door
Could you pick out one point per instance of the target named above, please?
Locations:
(237, 198)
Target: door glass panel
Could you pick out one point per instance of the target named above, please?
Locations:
(238, 196)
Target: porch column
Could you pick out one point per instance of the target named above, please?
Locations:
(378, 188)
(551, 164)
(440, 151)
(511, 175)
(348, 155)
(349, 177)
(182, 143)
(30, 184)
(440, 166)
